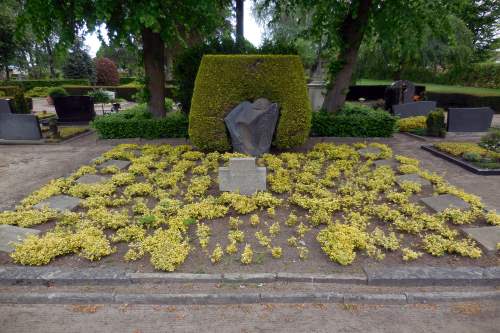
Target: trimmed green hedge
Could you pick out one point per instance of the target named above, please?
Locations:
(138, 123)
(223, 81)
(127, 79)
(354, 120)
(30, 84)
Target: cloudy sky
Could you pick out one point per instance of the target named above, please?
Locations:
(253, 32)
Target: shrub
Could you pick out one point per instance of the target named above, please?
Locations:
(224, 81)
(435, 123)
(106, 72)
(491, 141)
(127, 80)
(411, 123)
(354, 120)
(137, 122)
(57, 92)
(38, 92)
(20, 104)
(100, 96)
(30, 84)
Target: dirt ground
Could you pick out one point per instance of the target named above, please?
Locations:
(23, 169)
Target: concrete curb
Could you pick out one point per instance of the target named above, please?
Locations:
(245, 298)
(383, 276)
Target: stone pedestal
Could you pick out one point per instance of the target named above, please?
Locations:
(242, 176)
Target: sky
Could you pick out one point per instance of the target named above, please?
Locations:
(252, 30)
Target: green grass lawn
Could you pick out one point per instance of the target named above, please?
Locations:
(440, 88)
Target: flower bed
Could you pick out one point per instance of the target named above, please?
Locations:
(471, 152)
(329, 203)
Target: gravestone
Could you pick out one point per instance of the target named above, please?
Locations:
(242, 176)
(412, 177)
(72, 109)
(399, 92)
(10, 233)
(469, 119)
(368, 151)
(390, 163)
(91, 179)
(120, 164)
(18, 126)
(439, 203)
(414, 109)
(488, 237)
(252, 125)
(59, 202)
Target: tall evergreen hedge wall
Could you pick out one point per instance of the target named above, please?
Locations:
(223, 81)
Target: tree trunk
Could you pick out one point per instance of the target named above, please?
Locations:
(50, 54)
(239, 22)
(154, 67)
(7, 73)
(352, 31)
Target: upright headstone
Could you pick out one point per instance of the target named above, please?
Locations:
(469, 119)
(399, 92)
(252, 126)
(242, 176)
(413, 109)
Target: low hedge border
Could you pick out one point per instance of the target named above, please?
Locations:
(112, 127)
(30, 84)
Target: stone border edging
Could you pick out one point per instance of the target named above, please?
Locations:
(382, 276)
(467, 166)
(246, 298)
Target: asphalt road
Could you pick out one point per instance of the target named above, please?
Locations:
(452, 317)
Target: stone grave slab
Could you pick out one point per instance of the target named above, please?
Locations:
(369, 150)
(91, 179)
(412, 177)
(413, 109)
(10, 233)
(391, 163)
(60, 203)
(242, 176)
(439, 203)
(120, 164)
(486, 236)
(469, 119)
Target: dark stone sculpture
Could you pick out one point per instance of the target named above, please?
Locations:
(399, 92)
(252, 126)
(71, 109)
(469, 119)
(413, 109)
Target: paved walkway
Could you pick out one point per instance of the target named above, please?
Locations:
(24, 169)
(454, 317)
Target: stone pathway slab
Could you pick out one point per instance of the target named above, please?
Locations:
(120, 164)
(412, 177)
(486, 236)
(369, 150)
(91, 179)
(242, 176)
(439, 203)
(391, 163)
(60, 203)
(10, 233)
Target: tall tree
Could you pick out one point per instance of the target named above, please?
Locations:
(342, 26)
(8, 43)
(153, 22)
(240, 13)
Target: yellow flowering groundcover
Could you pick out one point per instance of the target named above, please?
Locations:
(166, 205)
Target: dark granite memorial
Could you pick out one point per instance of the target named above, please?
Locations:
(413, 109)
(469, 119)
(252, 125)
(399, 92)
(72, 109)
(18, 126)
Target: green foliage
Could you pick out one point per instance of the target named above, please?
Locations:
(224, 81)
(57, 92)
(100, 96)
(187, 63)
(354, 120)
(38, 92)
(491, 141)
(79, 65)
(8, 90)
(137, 122)
(435, 124)
(127, 80)
(20, 103)
(106, 72)
(30, 84)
